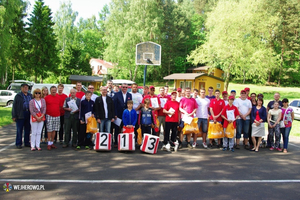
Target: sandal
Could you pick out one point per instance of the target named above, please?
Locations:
(284, 151)
(39, 149)
(32, 149)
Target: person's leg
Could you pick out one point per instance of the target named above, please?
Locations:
(67, 127)
(26, 128)
(101, 125)
(19, 136)
(167, 132)
(61, 129)
(39, 133)
(246, 125)
(135, 129)
(277, 137)
(81, 134)
(33, 134)
(258, 143)
(231, 143)
(107, 125)
(286, 138)
(117, 131)
(239, 126)
(174, 131)
(253, 139)
(271, 136)
(75, 124)
(204, 124)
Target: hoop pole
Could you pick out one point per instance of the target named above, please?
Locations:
(145, 72)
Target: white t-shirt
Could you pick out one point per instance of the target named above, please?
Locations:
(226, 102)
(203, 105)
(178, 99)
(137, 99)
(243, 106)
(105, 106)
(274, 114)
(38, 104)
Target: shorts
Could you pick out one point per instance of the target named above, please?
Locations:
(181, 123)
(242, 126)
(204, 123)
(162, 121)
(53, 123)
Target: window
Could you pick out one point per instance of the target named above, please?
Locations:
(218, 85)
(187, 84)
(4, 93)
(294, 103)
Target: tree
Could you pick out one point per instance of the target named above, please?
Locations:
(43, 55)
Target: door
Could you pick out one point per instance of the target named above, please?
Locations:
(201, 85)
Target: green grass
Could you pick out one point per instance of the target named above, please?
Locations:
(5, 116)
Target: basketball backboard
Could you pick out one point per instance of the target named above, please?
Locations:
(148, 53)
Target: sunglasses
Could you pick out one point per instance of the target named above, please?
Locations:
(91, 88)
(37, 93)
(124, 87)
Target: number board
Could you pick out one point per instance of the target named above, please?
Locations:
(150, 144)
(102, 141)
(148, 53)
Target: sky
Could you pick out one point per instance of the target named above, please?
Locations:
(85, 8)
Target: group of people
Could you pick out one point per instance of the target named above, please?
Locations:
(65, 117)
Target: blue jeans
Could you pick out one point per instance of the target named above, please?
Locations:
(285, 136)
(203, 122)
(23, 124)
(105, 123)
(242, 126)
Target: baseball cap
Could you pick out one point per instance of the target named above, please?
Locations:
(231, 97)
(152, 87)
(224, 92)
(24, 84)
(233, 91)
(247, 89)
(179, 90)
(174, 92)
(243, 91)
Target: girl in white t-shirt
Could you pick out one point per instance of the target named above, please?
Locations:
(274, 117)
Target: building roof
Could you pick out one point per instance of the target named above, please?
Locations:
(199, 68)
(104, 63)
(188, 76)
(86, 78)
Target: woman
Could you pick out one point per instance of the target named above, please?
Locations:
(274, 117)
(287, 118)
(258, 119)
(45, 93)
(37, 107)
(253, 99)
(254, 103)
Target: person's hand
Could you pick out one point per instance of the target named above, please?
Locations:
(99, 121)
(229, 121)
(14, 119)
(257, 123)
(81, 122)
(69, 109)
(215, 118)
(93, 115)
(171, 113)
(112, 120)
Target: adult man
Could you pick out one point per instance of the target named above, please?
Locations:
(244, 106)
(225, 97)
(210, 95)
(202, 114)
(79, 93)
(233, 93)
(62, 97)
(91, 88)
(71, 118)
(120, 102)
(155, 104)
(146, 91)
(52, 115)
(216, 107)
(110, 89)
(178, 98)
(104, 111)
(188, 107)
(167, 91)
(21, 115)
(137, 99)
(271, 106)
(163, 97)
(247, 93)
(195, 93)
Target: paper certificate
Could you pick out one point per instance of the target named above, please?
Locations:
(154, 102)
(187, 119)
(163, 101)
(117, 121)
(73, 106)
(171, 110)
(230, 115)
(87, 115)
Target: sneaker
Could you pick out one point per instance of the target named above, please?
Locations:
(19, 147)
(163, 147)
(176, 146)
(224, 149)
(189, 146)
(271, 149)
(78, 147)
(210, 146)
(168, 147)
(180, 146)
(60, 142)
(237, 146)
(232, 149)
(246, 147)
(194, 145)
(278, 149)
(204, 145)
(87, 147)
(219, 146)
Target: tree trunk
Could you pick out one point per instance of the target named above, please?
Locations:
(244, 76)
(227, 77)
(135, 72)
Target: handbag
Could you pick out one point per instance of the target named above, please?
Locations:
(281, 124)
(39, 114)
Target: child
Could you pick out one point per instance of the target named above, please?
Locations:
(274, 117)
(87, 105)
(129, 116)
(230, 113)
(146, 120)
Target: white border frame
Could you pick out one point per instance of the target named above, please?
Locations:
(145, 52)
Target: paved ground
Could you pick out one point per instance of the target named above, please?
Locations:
(187, 174)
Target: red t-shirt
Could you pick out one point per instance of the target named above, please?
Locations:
(62, 100)
(217, 106)
(52, 105)
(224, 113)
(79, 95)
(167, 98)
(149, 97)
(188, 104)
(175, 106)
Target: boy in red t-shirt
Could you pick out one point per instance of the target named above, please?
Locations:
(230, 113)
(171, 109)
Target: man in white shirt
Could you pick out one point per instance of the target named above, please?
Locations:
(244, 105)
(137, 104)
(91, 89)
(202, 114)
